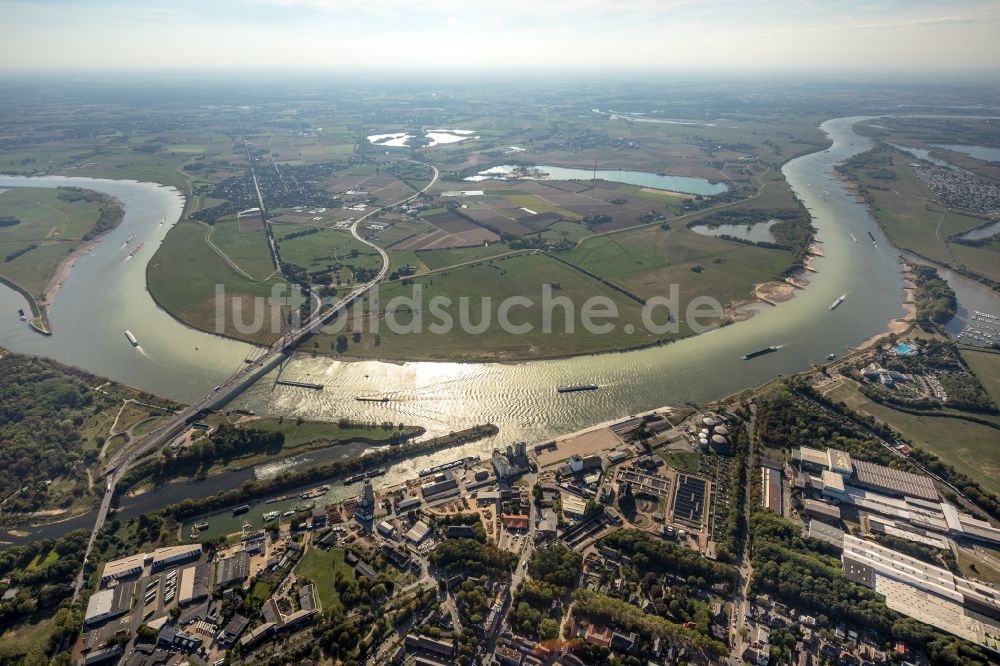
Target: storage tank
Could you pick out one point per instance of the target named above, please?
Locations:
(722, 430)
(708, 422)
(719, 440)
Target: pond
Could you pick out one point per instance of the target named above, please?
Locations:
(757, 233)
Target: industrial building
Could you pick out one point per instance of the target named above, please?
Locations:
(232, 570)
(124, 567)
(573, 506)
(236, 626)
(771, 485)
(893, 481)
(833, 484)
(548, 524)
(408, 504)
(107, 604)
(165, 557)
(364, 510)
(823, 511)
(865, 561)
(458, 532)
(307, 597)
(418, 532)
(439, 483)
(834, 463)
(193, 584)
(578, 465)
(386, 529)
(939, 517)
(257, 635)
(926, 592)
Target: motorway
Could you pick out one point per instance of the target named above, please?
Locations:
(119, 463)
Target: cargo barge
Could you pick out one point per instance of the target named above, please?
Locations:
(759, 352)
(580, 387)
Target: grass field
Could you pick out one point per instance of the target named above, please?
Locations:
(246, 248)
(321, 567)
(538, 205)
(969, 447)
(975, 567)
(648, 259)
(54, 225)
(182, 277)
(986, 366)
(520, 275)
(438, 259)
(328, 247)
(682, 461)
(298, 434)
(26, 641)
(914, 220)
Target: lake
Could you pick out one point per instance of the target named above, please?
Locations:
(985, 153)
(684, 184)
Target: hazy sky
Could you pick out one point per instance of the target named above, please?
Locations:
(728, 35)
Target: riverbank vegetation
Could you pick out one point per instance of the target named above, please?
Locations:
(52, 223)
(54, 421)
(229, 447)
(257, 489)
(935, 300)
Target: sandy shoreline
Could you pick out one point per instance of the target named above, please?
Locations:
(62, 270)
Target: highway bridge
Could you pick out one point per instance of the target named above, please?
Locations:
(117, 466)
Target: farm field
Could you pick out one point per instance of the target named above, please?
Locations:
(968, 447)
(649, 259)
(55, 226)
(521, 275)
(183, 275)
(325, 250)
(245, 247)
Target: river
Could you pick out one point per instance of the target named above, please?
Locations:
(105, 294)
(519, 398)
